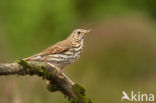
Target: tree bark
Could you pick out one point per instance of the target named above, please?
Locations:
(57, 80)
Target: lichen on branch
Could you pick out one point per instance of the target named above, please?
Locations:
(58, 81)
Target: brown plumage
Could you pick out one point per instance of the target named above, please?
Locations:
(64, 52)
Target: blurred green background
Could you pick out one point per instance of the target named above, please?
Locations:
(119, 55)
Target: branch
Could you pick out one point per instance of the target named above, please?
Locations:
(58, 81)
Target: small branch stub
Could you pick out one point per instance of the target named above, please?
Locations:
(58, 81)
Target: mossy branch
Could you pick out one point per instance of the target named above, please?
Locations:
(58, 81)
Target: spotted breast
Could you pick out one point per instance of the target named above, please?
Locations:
(67, 57)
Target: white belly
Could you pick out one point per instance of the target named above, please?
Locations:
(64, 59)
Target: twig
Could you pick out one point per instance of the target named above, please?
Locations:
(58, 81)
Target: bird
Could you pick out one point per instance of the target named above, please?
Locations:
(64, 52)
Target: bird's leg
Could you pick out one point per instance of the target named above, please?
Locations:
(58, 69)
(68, 79)
(62, 76)
(61, 68)
(54, 67)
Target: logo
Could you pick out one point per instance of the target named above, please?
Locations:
(138, 96)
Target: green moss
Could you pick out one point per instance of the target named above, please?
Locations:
(26, 68)
(79, 90)
(80, 95)
(49, 73)
(40, 71)
(52, 87)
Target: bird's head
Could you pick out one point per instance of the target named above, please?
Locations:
(78, 34)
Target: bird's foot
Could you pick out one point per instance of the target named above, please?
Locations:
(58, 70)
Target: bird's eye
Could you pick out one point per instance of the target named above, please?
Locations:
(79, 32)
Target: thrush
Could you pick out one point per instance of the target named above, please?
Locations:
(64, 52)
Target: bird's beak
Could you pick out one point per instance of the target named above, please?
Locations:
(87, 31)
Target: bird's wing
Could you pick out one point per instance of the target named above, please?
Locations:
(54, 49)
(57, 48)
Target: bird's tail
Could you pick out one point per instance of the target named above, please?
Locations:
(33, 58)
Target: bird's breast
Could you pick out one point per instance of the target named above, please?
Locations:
(67, 57)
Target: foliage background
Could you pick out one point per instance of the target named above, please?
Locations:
(119, 55)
